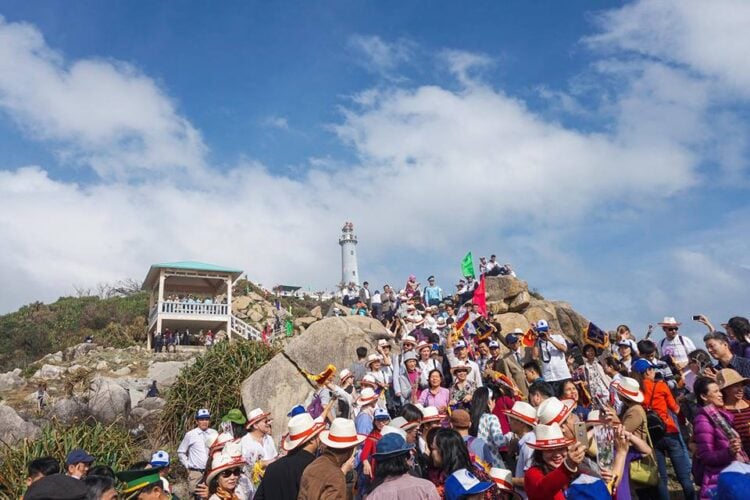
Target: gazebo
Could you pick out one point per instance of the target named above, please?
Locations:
(193, 295)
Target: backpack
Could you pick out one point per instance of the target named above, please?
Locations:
(315, 408)
(656, 426)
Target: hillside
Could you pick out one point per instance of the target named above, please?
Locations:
(39, 329)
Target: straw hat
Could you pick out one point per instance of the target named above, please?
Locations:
(345, 374)
(341, 435)
(669, 321)
(461, 366)
(728, 377)
(523, 412)
(368, 381)
(630, 389)
(373, 358)
(554, 411)
(430, 414)
(383, 343)
(256, 416)
(595, 418)
(366, 397)
(301, 428)
(389, 429)
(228, 458)
(549, 437)
(408, 339)
(423, 345)
(219, 443)
(503, 479)
(404, 424)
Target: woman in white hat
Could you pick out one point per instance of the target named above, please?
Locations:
(462, 389)
(224, 470)
(426, 363)
(555, 463)
(522, 420)
(503, 479)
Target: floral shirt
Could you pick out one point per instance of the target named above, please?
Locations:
(489, 430)
(458, 394)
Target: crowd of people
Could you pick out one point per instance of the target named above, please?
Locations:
(448, 406)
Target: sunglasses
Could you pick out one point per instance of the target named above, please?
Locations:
(231, 472)
(671, 329)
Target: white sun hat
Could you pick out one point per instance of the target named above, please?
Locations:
(554, 411)
(342, 434)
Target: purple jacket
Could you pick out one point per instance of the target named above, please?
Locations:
(712, 453)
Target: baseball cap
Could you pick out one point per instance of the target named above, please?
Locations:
(160, 459)
(462, 482)
(511, 339)
(381, 414)
(493, 344)
(296, 410)
(542, 326)
(460, 345)
(78, 456)
(202, 414)
(641, 365)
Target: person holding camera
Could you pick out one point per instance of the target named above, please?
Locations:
(551, 349)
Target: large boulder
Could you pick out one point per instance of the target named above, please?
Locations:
(278, 385)
(511, 321)
(503, 288)
(50, 372)
(241, 303)
(13, 428)
(165, 372)
(68, 410)
(78, 351)
(571, 323)
(108, 401)
(519, 302)
(316, 312)
(152, 403)
(11, 380)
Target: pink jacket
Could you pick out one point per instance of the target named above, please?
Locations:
(712, 453)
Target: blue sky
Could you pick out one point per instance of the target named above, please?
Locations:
(598, 146)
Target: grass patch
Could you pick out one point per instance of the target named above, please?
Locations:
(111, 445)
(212, 382)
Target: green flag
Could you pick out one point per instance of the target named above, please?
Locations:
(289, 328)
(467, 266)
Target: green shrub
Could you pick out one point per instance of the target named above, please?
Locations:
(212, 382)
(111, 445)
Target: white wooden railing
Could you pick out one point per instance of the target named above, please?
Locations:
(244, 330)
(170, 307)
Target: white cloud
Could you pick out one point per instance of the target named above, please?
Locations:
(101, 113)
(464, 65)
(277, 122)
(380, 56)
(711, 39)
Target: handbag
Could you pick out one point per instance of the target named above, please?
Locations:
(645, 472)
(656, 426)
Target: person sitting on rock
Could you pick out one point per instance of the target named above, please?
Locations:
(153, 392)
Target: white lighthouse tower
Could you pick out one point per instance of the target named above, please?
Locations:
(348, 242)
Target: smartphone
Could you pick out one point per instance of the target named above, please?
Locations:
(581, 434)
(605, 446)
(697, 317)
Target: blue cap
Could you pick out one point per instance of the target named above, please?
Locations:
(511, 339)
(296, 410)
(78, 456)
(381, 414)
(641, 365)
(588, 488)
(734, 482)
(391, 445)
(202, 414)
(493, 344)
(542, 326)
(463, 482)
(160, 459)
(460, 345)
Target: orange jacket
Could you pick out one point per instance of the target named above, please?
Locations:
(662, 402)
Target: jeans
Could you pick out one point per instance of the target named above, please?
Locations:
(671, 445)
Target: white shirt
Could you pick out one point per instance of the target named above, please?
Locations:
(376, 299)
(193, 451)
(253, 451)
(676, 349)
(525, 458)
(554, 366)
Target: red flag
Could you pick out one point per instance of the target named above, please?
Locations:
(529, 338)
(480, 297)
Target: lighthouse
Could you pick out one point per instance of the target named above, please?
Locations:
(348, 242)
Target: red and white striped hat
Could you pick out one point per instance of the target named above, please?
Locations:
(629, 388)
(524, 412)
(549, 437)
(503, 478)
(342, 434)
